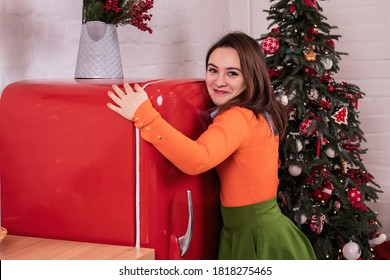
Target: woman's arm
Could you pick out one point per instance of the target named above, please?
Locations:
(192, 157)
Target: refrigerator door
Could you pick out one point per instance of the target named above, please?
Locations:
(72, 169)
(166, 193)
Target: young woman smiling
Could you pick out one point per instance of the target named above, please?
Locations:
(242, 143)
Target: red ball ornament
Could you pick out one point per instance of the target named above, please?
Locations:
(326, 78)
(270, 45)
(317, 194)
(355, 197)
(330, 43)
(331, 88)
(273, 72)
(312, 30)
(312, 3)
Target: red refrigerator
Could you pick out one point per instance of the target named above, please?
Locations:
(72, 169)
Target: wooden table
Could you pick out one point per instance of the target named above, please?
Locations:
(15, 247)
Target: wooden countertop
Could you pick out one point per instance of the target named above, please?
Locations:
(15, 247)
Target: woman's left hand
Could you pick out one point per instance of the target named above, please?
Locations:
(127, 101)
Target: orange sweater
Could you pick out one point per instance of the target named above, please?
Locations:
(240, 146)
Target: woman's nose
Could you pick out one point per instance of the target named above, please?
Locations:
(220, 82)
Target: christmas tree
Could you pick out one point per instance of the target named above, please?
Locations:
(324, 185)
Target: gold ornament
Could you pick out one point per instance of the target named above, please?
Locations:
(309, 54)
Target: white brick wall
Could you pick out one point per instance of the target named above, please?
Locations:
(39, 39)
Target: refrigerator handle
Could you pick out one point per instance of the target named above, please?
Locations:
(185, 240)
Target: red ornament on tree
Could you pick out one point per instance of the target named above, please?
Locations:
(273, 72)
(327, 190)
(331, 88)
(326, 78)
(316, 225)
(354, 196)
(312, 30)
(341, 116)
(330, 43)
(309, 71)
(312, 3)
(270, 45)
(325, 104)
(324, 192)
(354, 101)
(316, 194)
(306, 128)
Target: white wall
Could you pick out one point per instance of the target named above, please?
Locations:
(39, 39)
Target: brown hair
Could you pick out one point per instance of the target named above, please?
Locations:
(258, 95)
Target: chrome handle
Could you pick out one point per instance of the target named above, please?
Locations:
(185, 240)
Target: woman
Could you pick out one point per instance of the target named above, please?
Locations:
(242, 143)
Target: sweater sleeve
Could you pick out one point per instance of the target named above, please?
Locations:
(218, 142)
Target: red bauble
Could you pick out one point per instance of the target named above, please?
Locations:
(330, 43)
(312, 3)
(331, 88)
(270, 45)
(273, 72)
(312, 30)
(326, 78)
(354, 195)
(317, 194)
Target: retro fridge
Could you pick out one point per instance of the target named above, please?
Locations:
(72, 169)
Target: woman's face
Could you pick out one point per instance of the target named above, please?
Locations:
(224, 79)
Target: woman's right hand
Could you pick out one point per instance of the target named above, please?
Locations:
(128, 101)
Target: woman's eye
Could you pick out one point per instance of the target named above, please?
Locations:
(232, 73)
(212, 70)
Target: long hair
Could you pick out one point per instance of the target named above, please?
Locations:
(259, 94)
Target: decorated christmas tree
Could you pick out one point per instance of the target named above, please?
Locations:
(324, 185)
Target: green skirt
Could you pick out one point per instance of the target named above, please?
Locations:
(261, 232)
